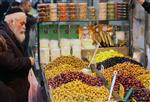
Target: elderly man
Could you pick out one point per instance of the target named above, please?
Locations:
(145, 4)
(14, 67)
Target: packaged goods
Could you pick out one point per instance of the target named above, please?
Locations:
(44, 55)
(53, 44)
(65, 51)
(111, 11)
(72, 11)
(62, 12)
(65, 43)
(102, 11)
(82, 11)
(44, 43)
(122, 11)
(43, 10)
(75, 42)
(92, 13)
(53, 12)
(55, 53)
(76, 51)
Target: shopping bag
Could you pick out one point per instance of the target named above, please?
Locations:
(34, 90)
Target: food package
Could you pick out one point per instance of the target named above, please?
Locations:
(65, 43)
(53, 12)
(102, 11)
(53, 44)
(82, 11)
(55, 53)
(122, 10)
(111, 11)
(91, 13)
(62, 12)
(76, 51)
(65, 51)
(44, 55)
(75, 42)
(72, 11)
(43, 12)
(44, 43)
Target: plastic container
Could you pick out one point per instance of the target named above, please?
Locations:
(53, 44)
(82, 11)
(44, 43)
(102, 11)
(55, 53)
(76, 51)
(62, 12)
(44, 55)
(65, 51)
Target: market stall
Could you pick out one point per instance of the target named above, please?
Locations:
(84, 53)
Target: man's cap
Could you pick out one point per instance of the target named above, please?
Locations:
(15, 4)
(13, 10)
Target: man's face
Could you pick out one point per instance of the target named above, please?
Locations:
(19, 28)
(27, 7)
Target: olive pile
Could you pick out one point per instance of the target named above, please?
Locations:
(145, 79)
(71, 60)
(76, 91)
(106, 55)
(141, 95)
(58, 70)
(116, 60)
(129, 82)
(64, 78)
(125, 69)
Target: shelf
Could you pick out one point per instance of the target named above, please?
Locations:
(77, 21)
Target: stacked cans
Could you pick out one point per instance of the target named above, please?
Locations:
(82, 11)
(92, 13)
(43, 10)
(111, 11)
(72, 11)
(53, 12)
(62, 12)
(102, 11)
(122, 11)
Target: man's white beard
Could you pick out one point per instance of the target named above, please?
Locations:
(20, 36)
